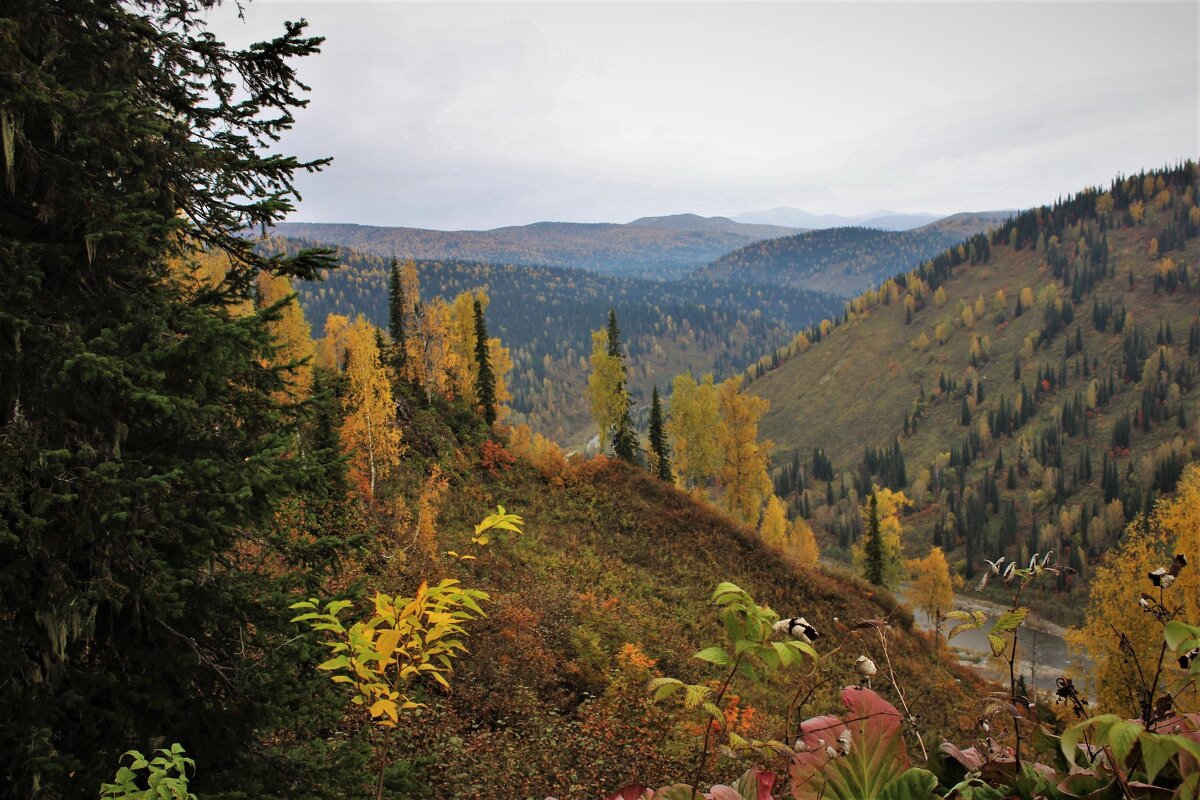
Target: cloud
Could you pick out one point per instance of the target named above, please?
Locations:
(477, 115)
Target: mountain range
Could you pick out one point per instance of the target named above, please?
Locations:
(795, 218)
(654, 247)
(844, 260)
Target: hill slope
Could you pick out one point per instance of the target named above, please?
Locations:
(551, 699)
(652, 246)
(1062, 396)
(843, 260)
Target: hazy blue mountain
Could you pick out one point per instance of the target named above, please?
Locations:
(796, 218)
(655, 247)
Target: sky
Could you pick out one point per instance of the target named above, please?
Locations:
(455, 115)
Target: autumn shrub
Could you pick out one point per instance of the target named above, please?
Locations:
(494, 457)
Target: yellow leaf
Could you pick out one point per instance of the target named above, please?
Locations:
(385, 645)
(382, 707)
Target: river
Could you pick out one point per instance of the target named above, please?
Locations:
(1042, 655)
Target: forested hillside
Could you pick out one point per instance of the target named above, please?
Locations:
(651, 247)
(844, 260)
(1030, 390)
(545, 315)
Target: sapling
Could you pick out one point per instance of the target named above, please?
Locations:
(1010, 622)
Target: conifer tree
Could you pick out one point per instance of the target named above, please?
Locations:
(874, 543)
(624, 437)
(607, 392)
(397, 322)
(658, 439)
(145, 425)
(485, 380)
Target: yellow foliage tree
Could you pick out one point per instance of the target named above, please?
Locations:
(932, 589)
(437, 361)
(804, 543)
(1117, 588)
(692, 426)
(331, 349)
(369, 433)
(462, 372)
(429, 506)
(501, 361)
(294, 346)
(743, 475)
(890, 504)
(773, 529)
(606, 386)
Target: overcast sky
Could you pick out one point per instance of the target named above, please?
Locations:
(454, 115)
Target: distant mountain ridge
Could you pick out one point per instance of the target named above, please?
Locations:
(655, 247)
(796, 218)
(845, 260)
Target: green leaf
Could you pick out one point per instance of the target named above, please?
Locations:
(998, 644)
(714, 655)
(1177, 633)
(1009, 621)
(1121, 736)
(338, 662)
(694, 694)
(724, 592)
(787, 655)
(338, 606)
(914, 784)
(973, 621)
(715, 712)
(662, 688)
(1156, 752)
(1074, 734)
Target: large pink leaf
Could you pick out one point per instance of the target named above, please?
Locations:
(876, 750)
(634, 791)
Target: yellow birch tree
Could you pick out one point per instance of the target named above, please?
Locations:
(369, 433)
(606, 386)
(743, 474)
(804, 543)
(1117, 587)
(294, 344)
(692, 426)
(774, 527)
(932, 589)
(331, 349)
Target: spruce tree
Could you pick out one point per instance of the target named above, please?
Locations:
(397, 324)
(485, 380)
(874, 544)
(658, 438)
(624, 437)
(144, 447)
